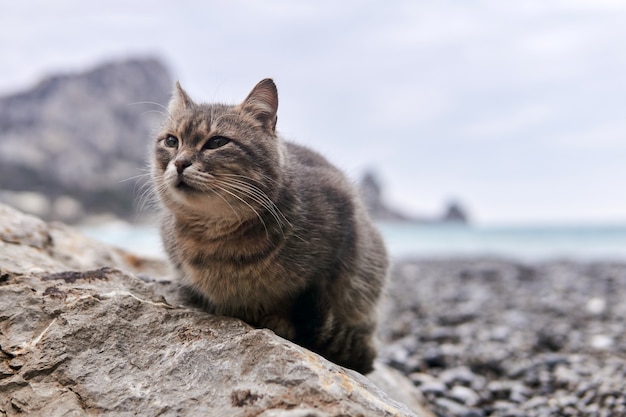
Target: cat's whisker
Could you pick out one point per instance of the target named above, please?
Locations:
(148, 102)
(149, 192)
(265, 177)
(154, 111)
(144, 188)
(147, 200)
(134, 177)
(211, 191)
(247, 204)
(245, 193)
(212, 116)
(260, 197)
(239, 179)
(280, 226)
(244, 180)
(148, 197)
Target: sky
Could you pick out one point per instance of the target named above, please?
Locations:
(515, 109)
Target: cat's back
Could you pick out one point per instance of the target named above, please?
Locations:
(311, 173)
(318, 181)
(300, 156)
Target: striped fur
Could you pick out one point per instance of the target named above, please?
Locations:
(267, 230)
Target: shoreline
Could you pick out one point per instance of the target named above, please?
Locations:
(429, 242)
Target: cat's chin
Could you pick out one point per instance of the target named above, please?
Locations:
(184, 188)
(203, 205)
(184, 193)
(189, 196)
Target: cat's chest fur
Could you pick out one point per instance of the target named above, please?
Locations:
(240, 273)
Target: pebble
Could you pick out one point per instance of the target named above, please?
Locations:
(434, 358)
(419, 378)
(500, 389)
(458, 375)
(500, 333)
(473, 413)
(513, 412)
(435, 388)
(520, 393)
(567, 400)
(452, 407)
(601, 342)
(464, 395)
(535, 402)
(565, 376)
(596, 305)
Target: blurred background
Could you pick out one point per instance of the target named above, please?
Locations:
(487, 127)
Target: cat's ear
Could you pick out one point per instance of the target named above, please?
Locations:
(180, 100)
(262, 102)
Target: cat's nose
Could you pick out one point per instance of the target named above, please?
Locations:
(181, 164)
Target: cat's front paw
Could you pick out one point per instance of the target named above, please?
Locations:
(280, 325)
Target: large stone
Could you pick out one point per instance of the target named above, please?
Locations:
(86, 329)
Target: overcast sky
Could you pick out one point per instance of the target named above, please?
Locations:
(515, 108)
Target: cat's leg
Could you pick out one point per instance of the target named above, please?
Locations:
(281, 325)
(351, 346)
(341, 335)
(190, 295)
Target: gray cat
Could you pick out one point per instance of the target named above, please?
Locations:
(266, 230)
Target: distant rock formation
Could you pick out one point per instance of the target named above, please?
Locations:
(455, 213)
(83, 136)
(372, 194)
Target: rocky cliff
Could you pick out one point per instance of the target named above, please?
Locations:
(86, 329)
(83, 135)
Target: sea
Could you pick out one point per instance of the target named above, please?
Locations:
(409, 240)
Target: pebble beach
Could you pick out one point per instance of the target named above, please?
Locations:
(496, 337)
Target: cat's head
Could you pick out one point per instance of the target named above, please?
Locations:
(223, 160)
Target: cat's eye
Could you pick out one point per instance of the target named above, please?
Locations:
(171, 141)
(216, 142)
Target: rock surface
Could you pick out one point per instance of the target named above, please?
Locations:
(87, 330)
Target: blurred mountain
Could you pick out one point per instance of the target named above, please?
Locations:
(83, 137)
(372, 194)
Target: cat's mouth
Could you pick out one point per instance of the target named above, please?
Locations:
(183, 186)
